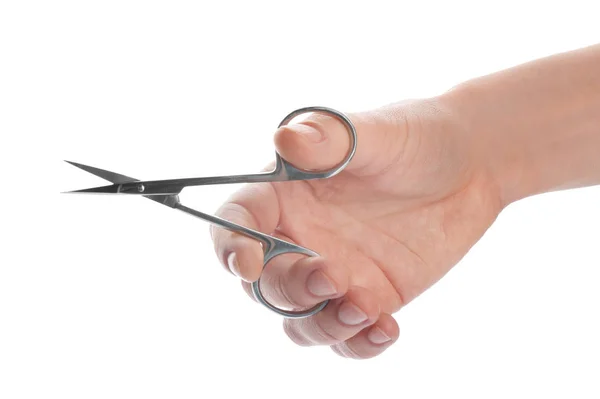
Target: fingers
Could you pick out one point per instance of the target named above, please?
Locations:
(302, 284)
(255, 207)
(352, 323)
(341, 320)
(371, 341)
(321, 141)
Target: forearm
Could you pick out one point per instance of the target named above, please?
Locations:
(536, 127)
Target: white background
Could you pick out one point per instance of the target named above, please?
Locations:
(111, 297)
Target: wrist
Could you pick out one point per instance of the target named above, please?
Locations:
(535, 128)
(496, 158)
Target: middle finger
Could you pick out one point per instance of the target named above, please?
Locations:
(341, 319)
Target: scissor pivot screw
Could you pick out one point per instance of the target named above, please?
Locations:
(141, 188)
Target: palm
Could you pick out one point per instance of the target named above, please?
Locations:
(398, 230)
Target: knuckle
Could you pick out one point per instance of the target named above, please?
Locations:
(233, 211)
(351, 352)
(344, 350)
(324, 336)
(291, 330)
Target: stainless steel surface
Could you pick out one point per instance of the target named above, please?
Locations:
(284, 171)
(272, 247)
(166, 193)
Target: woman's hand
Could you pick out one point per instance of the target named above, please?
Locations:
(427, 180)
(406, 209)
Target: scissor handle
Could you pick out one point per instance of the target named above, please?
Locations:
(286, 171)
(273, 247)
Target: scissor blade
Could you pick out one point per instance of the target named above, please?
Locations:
(169, 200)
(110, 189)
(104, 174)
(128, 185)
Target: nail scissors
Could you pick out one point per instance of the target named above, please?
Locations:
(166, 192)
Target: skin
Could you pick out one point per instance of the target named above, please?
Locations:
(428, 179)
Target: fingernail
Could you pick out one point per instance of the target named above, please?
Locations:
(319, 284)
(351, 314)
(310, 133)
(377, 336)
(232, 262)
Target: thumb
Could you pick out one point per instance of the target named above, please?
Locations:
(321, 141)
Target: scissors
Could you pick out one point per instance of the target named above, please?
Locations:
(166, 192)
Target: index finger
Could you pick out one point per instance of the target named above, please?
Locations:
(256, 207)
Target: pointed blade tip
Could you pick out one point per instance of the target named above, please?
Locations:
(110, 189)
(73, 192)
(112, 177)
(78, 165)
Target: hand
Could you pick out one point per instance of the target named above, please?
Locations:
(411, 203)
